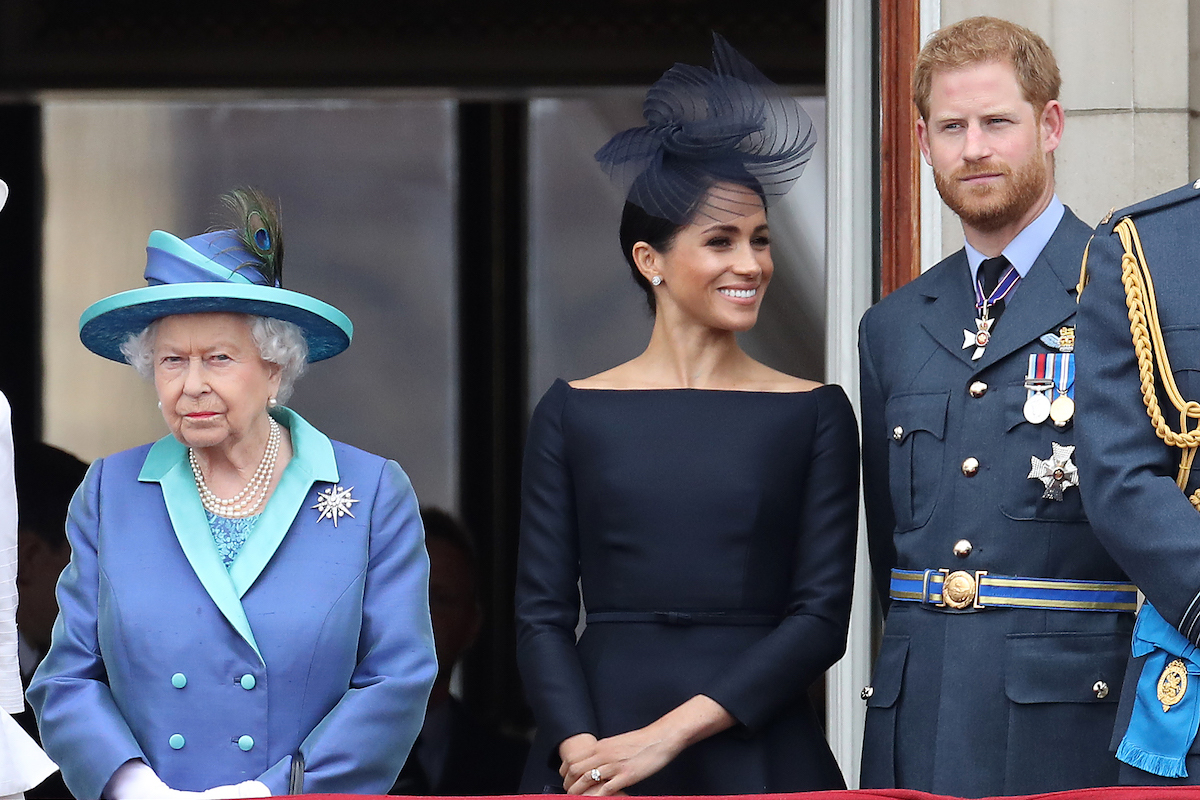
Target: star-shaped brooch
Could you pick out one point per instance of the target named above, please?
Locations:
(980, 338)
(334, 503)
(1056, 472)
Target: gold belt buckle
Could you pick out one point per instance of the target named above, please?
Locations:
(960, 589)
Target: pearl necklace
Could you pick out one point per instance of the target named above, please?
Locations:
(246, 502)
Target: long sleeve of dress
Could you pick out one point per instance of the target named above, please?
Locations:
(547, 594)
(812, 635)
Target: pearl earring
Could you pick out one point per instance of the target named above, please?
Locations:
(160, 405)
(272, 402)
(656, 280)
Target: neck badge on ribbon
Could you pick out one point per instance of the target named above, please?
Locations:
(984, 322)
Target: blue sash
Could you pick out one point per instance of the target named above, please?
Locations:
(1157, 741)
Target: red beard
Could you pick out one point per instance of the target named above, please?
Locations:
(994, 206)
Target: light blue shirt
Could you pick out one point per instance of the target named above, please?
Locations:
(1027, 245)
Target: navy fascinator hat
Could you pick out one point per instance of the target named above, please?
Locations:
(704, 127)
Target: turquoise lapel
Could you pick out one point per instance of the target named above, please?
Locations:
(312, 460)
(166, 463)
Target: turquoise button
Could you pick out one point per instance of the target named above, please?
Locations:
(176, 741)
(245, 743)
(247, 681)
(179, 680)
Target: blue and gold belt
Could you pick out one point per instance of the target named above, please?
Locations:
(961, 590)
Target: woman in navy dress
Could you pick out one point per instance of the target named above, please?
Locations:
(704, 504)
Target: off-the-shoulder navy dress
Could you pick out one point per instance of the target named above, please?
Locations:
(712, 534)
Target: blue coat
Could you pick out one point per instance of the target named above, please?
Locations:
(991, 701)
(1140, 514)
(317, 638)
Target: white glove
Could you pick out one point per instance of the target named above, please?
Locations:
(134, 780)
(233, 790)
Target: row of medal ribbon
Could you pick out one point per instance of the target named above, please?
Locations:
(1050, 388)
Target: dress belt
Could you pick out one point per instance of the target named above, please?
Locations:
(962, 590)
(684, 617)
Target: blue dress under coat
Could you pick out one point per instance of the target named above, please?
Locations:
(317, 638)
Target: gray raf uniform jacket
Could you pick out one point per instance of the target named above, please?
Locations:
(1140, 514)
(980, 701)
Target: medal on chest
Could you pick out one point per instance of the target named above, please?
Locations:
(984, 321)
(980, 338)
(1050, 381)
(1038, 387)
(1057, 473)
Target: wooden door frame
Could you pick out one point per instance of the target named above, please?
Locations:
(899, 156)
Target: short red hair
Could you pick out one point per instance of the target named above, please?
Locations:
(984, 40)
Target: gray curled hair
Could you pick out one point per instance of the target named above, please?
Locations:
(278, 342)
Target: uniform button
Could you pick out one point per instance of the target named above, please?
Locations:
(246, 743)
(970, 466)
(179, 680)
(1101, 689)
(176, 741)
(247, 681)
(867, 692)
(963, 548)
(897, 433)
(978, 389)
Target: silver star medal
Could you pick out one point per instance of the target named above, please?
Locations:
(980, 338)
(1056, 472)
(334, 503)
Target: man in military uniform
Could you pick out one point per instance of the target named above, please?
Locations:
(1135, 462)
(1007, 623)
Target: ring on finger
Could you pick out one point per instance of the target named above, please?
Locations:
(595, 775)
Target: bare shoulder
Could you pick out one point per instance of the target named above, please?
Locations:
(621, 376)
(765, 379)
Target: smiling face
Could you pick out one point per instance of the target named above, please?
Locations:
(211, 381)
(716, 270)
(990, 149)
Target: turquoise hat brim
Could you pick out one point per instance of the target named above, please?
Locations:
(105, 325)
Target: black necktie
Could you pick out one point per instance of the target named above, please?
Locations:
(990, 272)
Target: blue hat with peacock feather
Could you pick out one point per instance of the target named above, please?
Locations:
(235, 270)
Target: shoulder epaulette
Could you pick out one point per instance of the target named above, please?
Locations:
(1190, 191)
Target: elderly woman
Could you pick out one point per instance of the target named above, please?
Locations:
(706, 504)
(245, 612)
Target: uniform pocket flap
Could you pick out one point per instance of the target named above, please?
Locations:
(1065, 667)
(1183, 348)
(907, 413)
(889, 672)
